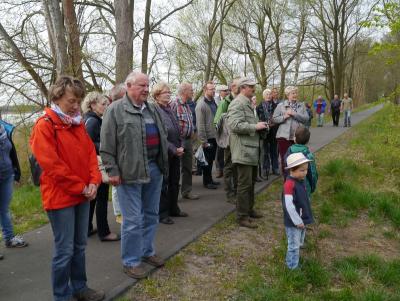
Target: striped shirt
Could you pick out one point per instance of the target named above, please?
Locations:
(152, 133)
(185, 118)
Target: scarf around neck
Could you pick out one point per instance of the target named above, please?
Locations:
(66, 119)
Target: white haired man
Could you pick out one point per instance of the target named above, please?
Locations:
(133, 148)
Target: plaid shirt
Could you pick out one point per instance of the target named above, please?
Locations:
(185, 118)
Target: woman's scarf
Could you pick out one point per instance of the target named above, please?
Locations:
(66, 119)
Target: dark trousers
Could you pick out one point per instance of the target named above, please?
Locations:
(220, 158)
(186, 164)
(101, 204)
(283, 146)
(247, 175)
(209, 153)
(170, 190)
(335, 117)
(270, 154)
(230, 174)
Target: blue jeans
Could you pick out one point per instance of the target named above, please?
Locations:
(68, 271)
(295, 238)
(139, 205)
(320, 119)
(347, 118)
(6, 189)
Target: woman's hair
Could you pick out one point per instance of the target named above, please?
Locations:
(92, 98)
(58, 89)
(265, 92)
(157, 89)
(290, 89)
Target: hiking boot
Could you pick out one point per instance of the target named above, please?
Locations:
(246, 222)
(137, 272)
(154, 260)
(89, 295)
(1, 256)
(256, 214)
(231, 200)
(16, 242)
(190, 196)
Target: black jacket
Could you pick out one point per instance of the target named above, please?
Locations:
(93, 127)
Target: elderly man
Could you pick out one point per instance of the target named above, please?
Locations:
(186, 128)
(230, 176)
(223, 91)
(134, 152)
(319, 107)
(205, 112)
(244, 143)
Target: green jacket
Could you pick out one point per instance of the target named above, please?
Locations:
(222, 108)
(123, 142)
(244, 139)
(312, 173)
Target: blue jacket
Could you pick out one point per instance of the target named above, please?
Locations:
(13, 154)
(301, 202)
(322, 107)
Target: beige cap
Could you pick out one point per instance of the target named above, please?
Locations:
(221, 88)
(296, 159)
(246, 81)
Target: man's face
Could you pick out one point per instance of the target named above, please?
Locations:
(248, 91)
(336, 96)
(209, 91)
(189, 92)
(139, 90)
(223, 93)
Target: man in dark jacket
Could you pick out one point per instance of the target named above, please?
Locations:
(335, 109)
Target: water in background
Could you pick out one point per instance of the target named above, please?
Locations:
(17, 119)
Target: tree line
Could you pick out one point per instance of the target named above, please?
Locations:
(323, 46)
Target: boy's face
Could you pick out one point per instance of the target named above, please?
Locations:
(300, 173)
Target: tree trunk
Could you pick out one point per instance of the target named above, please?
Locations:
(73, 35)
(60, 43)
(146, 37)
(124, 39)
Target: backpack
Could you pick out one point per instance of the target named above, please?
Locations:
(312, 173)
(36, 170)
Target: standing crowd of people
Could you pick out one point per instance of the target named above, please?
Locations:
(144, 149)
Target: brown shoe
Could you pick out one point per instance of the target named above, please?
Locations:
(256, 214)
(246, 222)
(89, 295)
(137, 272)
(154, 260)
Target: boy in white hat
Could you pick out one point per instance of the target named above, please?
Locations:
(296, 207)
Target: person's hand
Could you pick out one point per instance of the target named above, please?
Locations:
(290, 112)
(206, 145)
(115, 180)
(91, 192)
(261, 126)
(180, 151)
(301, 226)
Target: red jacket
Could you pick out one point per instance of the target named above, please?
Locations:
(68, 159)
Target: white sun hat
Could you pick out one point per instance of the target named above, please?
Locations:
(296, 159)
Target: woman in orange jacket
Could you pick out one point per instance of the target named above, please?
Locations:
(69, 180)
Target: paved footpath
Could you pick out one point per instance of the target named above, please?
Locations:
(25, 273)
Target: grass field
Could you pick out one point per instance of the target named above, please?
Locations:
(352, 251)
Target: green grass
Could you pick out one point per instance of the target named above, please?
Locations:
(26, 209)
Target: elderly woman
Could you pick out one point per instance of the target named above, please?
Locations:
(265, 111)
(93, 107)
(289, 115)
(69, 180)
(9, 172)
(170, 191)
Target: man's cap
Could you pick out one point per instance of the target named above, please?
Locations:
(246, 81)
(296, 159)
(222, 88)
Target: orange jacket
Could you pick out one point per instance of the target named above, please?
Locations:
(68, 159)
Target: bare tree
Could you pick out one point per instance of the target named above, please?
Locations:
(124, 38)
